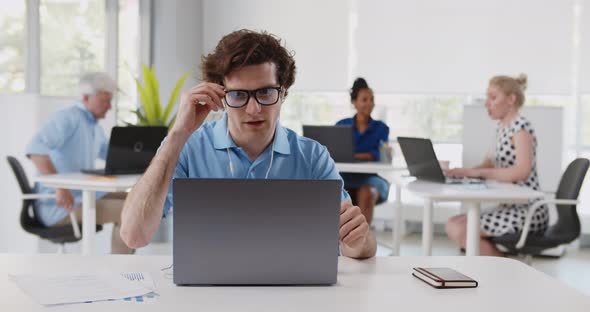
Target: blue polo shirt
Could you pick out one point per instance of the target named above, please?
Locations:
(368, 141)
(73, 140)
(295, 157)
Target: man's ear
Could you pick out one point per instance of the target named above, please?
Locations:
(283, 95)
(85, 98)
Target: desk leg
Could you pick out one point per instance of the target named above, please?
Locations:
(427, 227)
(88, 221)
(398, 220)
(472, 244)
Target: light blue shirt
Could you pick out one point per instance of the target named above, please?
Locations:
(73, 140)
(295, 157)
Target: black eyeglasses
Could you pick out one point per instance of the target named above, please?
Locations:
(264, 96)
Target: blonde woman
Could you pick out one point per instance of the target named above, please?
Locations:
(513, 159)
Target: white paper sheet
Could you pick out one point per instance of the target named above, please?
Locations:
(62, 288)
(144, 279)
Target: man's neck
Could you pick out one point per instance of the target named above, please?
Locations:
(254, 148)
(85, 104)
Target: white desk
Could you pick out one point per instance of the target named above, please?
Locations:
(378, 284)
(89, 185)
(471, 199)
(370, 167)
(391, 173)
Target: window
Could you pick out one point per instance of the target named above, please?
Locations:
(12, 44)
(555, 101)
(72, 43)
(128, 58)
(310, 108)
(437, 117)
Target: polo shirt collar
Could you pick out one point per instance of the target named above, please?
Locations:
(86, 112)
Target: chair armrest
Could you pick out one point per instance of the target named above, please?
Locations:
(73, 220)
(75, 225)
(531, 211)
(37, 196)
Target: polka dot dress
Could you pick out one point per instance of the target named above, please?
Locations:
(509, 218)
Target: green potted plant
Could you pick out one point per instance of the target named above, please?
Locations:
(151, 112)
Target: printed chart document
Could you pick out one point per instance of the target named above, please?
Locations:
(144, 279)
(62, 288)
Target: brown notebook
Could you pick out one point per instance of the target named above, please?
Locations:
(444, 278)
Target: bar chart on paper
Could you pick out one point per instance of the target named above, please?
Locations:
(149, 298)
(146, 281)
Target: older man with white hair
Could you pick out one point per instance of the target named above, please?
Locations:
(72, 140)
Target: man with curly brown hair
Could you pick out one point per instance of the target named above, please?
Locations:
(248, 74)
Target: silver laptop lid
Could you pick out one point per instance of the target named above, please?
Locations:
(421, 159)
(339, 140)
(255, 232)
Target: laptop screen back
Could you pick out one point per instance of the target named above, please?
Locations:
(255, 232)
(132, 148)
(339, 140)
(421, 159)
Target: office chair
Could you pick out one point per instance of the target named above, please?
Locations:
(567, 227)
(59, 234)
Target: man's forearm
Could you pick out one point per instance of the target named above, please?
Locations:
(366, 250)
(43, 164)
(143, 207)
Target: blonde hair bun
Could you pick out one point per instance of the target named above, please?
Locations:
(522, 80)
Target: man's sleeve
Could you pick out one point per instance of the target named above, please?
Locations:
(325, 169)
(52, 135)
(104, 146)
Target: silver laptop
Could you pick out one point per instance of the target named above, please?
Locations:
(423, 164)
(339, 140)
(255, 232)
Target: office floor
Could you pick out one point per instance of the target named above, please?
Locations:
(572, 269)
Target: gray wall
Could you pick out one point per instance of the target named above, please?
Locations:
(177, 42)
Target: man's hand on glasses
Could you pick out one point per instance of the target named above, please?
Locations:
(195, 105)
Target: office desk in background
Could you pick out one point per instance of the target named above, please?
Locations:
(472, 196)
(393, 174)
(89, 185)
(378, 284)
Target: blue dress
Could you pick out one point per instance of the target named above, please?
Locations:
(367, 142)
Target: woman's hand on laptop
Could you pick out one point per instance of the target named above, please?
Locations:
(195, 105)
(354, 228)
(462, 172)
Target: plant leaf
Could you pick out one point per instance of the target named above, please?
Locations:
(174, 95)
(149, 105)
(155, 89)
(145, 100)
(140, 117)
